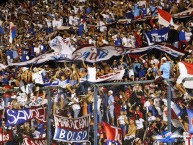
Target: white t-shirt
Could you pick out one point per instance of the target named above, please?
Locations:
(91, 74)
(48, 22)
(99, 102)
(146, 105)
(139, 123)
(102, 27)
(37, 77)
(188, 35)
(37, 50)
(57, 23)
(121, 119)
(151, 118)
(131, 73)
(76, 105)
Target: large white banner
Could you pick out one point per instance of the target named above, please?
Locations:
(62, 46)
(92, 54)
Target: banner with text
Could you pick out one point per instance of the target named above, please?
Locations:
(30, 141)
(157, 36)
(15, 117)
(71, 129)
(92, 54)
(6, 135)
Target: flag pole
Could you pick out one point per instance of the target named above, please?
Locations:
(49, 111)
(95, 116)
(169, 108)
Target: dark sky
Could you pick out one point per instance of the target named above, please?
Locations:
(2, 1)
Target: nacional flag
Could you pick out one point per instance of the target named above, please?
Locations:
(175, 120)
(175, 107)
(31, 141)
(165, 18)
(13, 32)
(190, 119)
(188, 138)
(186, 71)
(112, 132)
(168, 137)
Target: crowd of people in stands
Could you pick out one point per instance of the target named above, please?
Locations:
(139, 109)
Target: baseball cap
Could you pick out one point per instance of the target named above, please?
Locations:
(164, 58)
(110, 91)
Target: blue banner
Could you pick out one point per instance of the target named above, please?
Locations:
(15, 117)
(169, 137)
(190, 119)
(157, 36)
(71, 129)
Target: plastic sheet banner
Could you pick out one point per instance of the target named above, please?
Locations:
(30, 141)
(71, 129)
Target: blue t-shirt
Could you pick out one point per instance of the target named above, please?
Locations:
(182, 36)
(135, 66)
(165, 68)
(9, 53)
(142, 73)
(40, 128)
(144, 10)
(118, 42)
(111, 102)
(81, 30)
(136, 11)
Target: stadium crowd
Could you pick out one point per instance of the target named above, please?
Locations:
(139, 109)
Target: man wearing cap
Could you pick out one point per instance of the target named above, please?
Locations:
(111, 106)
(165, 67)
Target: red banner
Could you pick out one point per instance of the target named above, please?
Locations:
(30, 141)
(5, 136)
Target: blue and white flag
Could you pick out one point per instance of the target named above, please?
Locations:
(157, 36)
(15, 117)
(62, 46)
(168, 136)
(190, 119)
(71, 129)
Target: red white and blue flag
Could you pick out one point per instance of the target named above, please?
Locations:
(186, 71)
(165, 18)
(13, 32)
(113, 133)
(190, 119)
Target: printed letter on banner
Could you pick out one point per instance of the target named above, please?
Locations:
(15, 117)
(71, 129)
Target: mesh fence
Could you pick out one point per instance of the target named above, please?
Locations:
(139, 109)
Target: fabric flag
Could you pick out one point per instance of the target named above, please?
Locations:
(112, 133)
(186, 71)
(190, 119)
(13, 32)
(165, 18)
(175, 120)
(168, 136)
(177, 110)
(188, 138)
